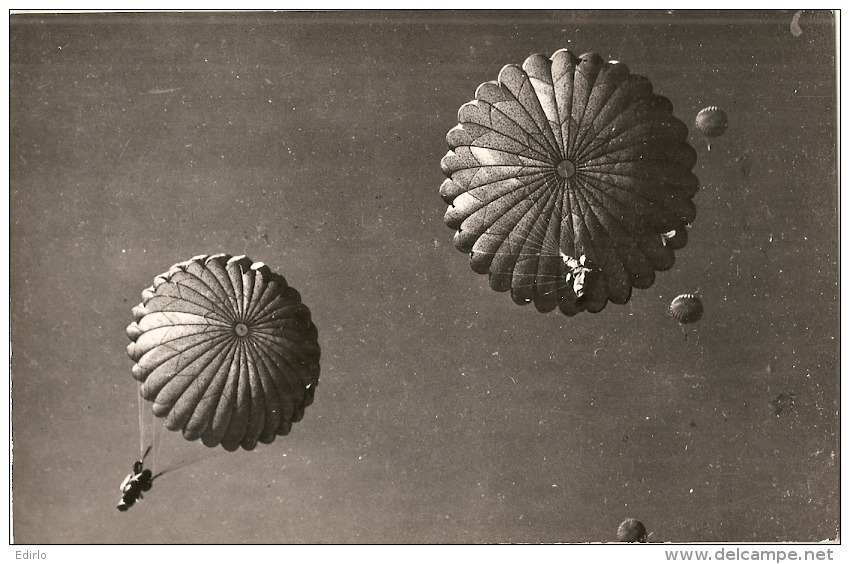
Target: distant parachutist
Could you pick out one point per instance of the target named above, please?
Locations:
(138, 481)
(712, 122)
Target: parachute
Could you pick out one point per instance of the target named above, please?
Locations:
(686, 308)
(631, 530)
(711, 121)
(569, 160)
(225, 351)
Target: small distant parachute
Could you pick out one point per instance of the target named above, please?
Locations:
(564, 178)
(631, 530)
(686, 308)
(711, 122)
(225, 351)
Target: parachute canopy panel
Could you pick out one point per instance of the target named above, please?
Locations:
(569, 159)
(225, 351)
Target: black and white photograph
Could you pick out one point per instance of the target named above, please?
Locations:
(424, 277)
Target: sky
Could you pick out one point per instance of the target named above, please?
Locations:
(445, 413)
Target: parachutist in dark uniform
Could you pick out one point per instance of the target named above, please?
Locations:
(138, 481)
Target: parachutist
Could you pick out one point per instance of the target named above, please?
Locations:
(581, 273)
(138, 481)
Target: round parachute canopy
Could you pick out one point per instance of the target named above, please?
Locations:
(569, 160)
(631, 530)
(225, 351)
(686, 308)
(712, 121)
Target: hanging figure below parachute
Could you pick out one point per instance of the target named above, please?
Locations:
(137, 482)
(582, 274)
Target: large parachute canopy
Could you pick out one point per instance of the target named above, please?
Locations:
(225, 351)
(569, 182)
